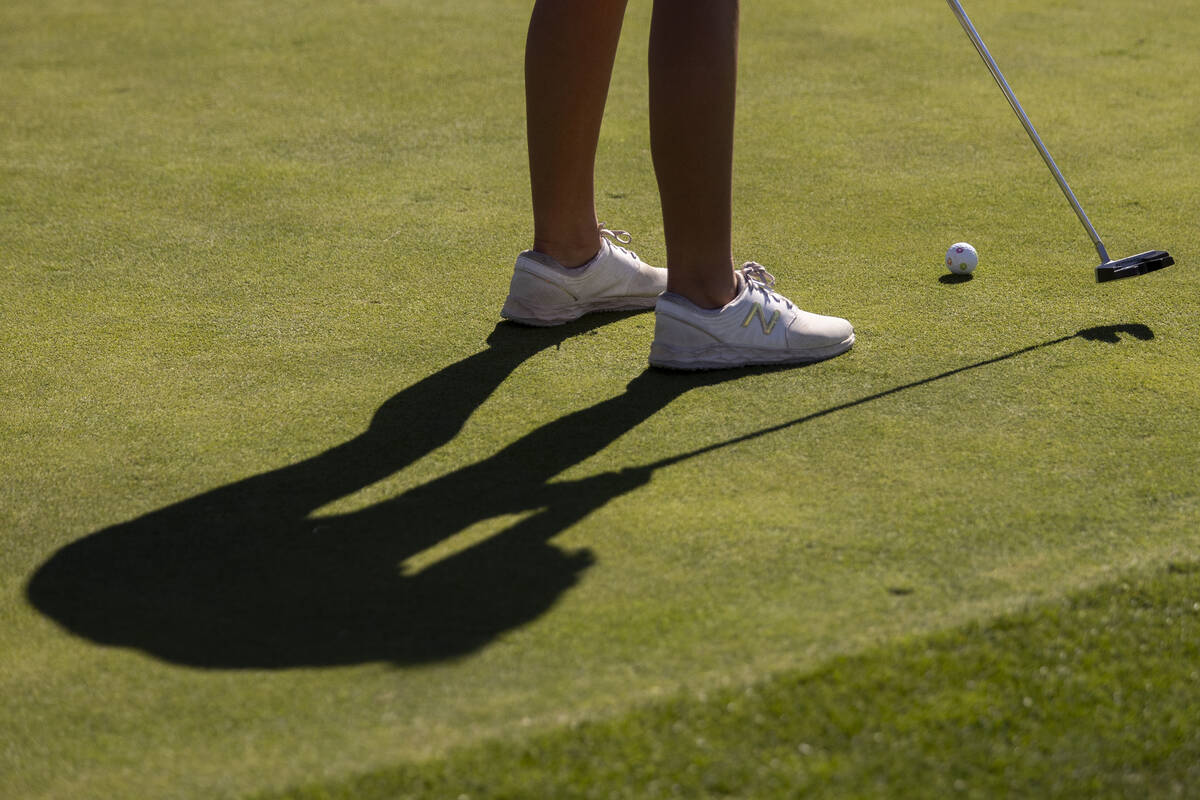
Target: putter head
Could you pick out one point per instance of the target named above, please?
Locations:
(1133, 266)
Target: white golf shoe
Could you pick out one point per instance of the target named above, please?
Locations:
(759, 326)
(544, 292)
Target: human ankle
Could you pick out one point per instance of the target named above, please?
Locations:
(568, 254)
(705, 295)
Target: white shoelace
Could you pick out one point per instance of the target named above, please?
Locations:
(618, 238)
(622, 237)
(757, 278)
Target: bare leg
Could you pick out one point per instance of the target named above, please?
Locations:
(569, 56)
(693, 80)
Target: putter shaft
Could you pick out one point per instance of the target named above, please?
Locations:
(965, 21)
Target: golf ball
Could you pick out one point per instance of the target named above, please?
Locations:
(961, 259)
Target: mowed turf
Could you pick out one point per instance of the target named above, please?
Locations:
(282, 505)
(1029, 705)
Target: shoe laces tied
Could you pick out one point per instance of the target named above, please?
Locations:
(758, 279)
(618, 238)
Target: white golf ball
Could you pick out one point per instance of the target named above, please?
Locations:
(961, 259)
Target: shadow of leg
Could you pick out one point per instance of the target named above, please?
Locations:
(241, 577)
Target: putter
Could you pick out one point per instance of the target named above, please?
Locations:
(1108, 270)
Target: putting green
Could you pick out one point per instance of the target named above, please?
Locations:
(283, 504)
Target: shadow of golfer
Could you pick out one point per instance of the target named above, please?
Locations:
(244, 576)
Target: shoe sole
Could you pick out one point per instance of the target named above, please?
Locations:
(541, 317)
(724, 356)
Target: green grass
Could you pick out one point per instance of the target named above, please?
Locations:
(274, 513)
(1030, 705)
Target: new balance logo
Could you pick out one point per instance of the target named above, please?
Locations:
(767, 325)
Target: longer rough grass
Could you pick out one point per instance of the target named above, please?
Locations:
(1094, 696)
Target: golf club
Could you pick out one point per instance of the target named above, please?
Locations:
(1108, 270)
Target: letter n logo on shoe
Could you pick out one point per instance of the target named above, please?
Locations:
(757, 311)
